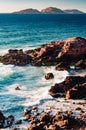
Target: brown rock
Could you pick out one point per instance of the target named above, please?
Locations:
(62, 66)
(77, 92)
(72, 87)
(49, 76)
(17, 88)
(80, 64)
(61, 53)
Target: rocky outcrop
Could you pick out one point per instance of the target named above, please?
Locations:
(73, 87)
(15, 57)
(63, 54)
(60, 121)
(77, 92)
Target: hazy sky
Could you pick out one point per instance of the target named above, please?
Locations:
(16, 5)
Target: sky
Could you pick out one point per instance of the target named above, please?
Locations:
(7, 6)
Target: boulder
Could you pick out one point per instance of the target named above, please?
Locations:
(17, 88)
(10, 120)
(15, 57)
(72, 87)
(49, 76)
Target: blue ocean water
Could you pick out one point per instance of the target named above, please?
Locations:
(26, 32)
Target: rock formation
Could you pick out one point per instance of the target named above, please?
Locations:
(73, 87)
(15, 57)
(63, 54)
(49, 76)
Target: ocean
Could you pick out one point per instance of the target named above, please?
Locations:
(28, 31)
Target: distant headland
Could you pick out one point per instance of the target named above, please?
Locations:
(49, 10)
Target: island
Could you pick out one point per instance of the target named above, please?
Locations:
(49, 10)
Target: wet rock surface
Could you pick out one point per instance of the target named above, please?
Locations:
(15, 57)
(73, 87)
(63, 54)
(49, 76)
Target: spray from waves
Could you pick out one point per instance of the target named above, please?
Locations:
(6, 71)
(38, 91)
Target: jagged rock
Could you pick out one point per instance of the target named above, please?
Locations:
(2, 119)
(15, 57)
(61, 53)
(60, 121)
(80, 64)
(62, 66)
(10, 120)
(72, 87)
(49, 76)
(77, 92)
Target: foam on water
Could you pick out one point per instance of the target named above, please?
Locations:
(6, 70)
(38, 91)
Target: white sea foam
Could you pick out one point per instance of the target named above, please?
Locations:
(6, 70)
(38, 90)
(3, 51)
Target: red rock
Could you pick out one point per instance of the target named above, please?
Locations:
(67, 51)
(72, 87)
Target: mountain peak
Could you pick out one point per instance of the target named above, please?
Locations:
(52, 10)
(28, 11)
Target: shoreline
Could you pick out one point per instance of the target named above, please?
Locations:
(54, 113)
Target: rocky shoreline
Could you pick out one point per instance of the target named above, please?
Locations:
(51, 115)
(63, 55)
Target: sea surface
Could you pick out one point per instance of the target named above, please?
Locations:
(27, 32)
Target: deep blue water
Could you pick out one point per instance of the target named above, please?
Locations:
(23, 30)
(30, 31)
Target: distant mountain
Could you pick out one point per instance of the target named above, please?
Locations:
(49, 10)
(73, 11)
(28, 11)
(52, 10)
